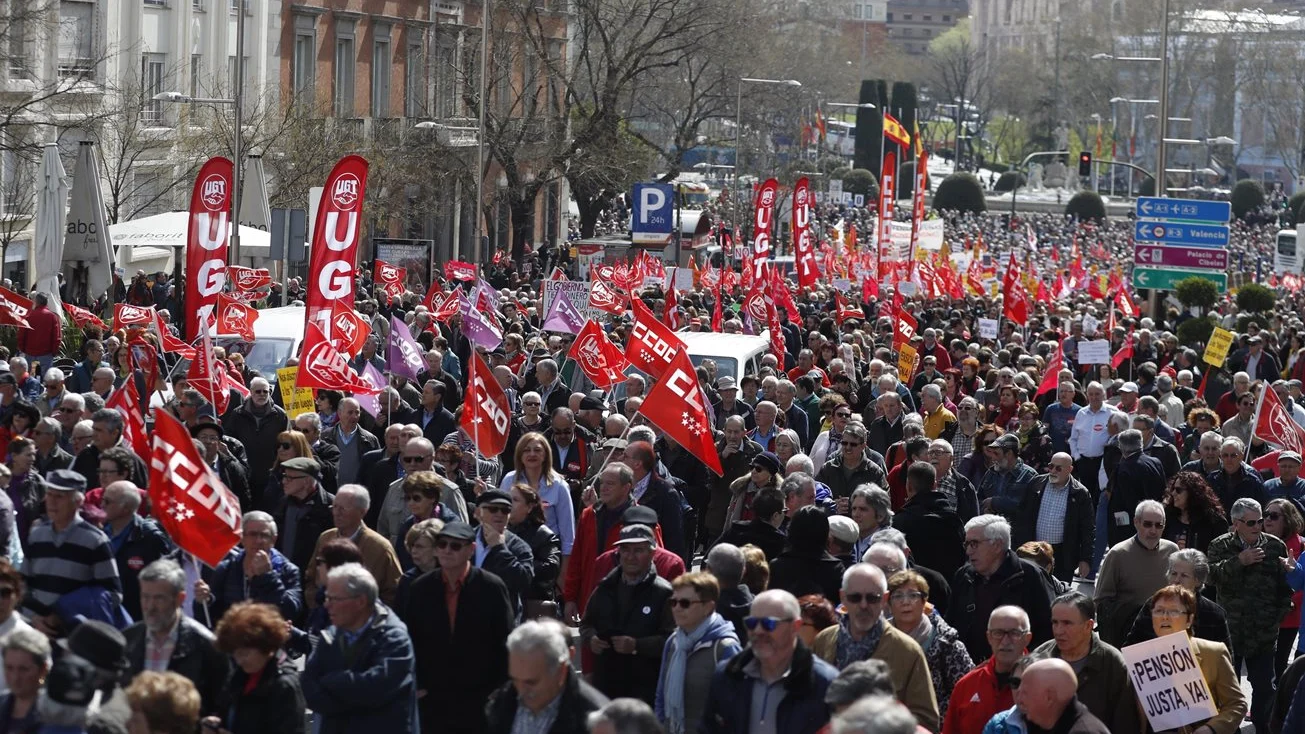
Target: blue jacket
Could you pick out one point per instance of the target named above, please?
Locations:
(803, 710)
(281, 587)
(1010, 721)
(374, 692)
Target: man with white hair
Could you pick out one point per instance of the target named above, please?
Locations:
(55, 391)
(744, 690)
(1088, 437)
(994, 577)
(256, 424)
(136, 541)
(256, 571)
(1132, 571)
(352, 502)
(988, 689)
(351, 439)
(886, 429)
(543, 693)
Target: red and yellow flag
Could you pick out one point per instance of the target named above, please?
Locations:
(895, 132)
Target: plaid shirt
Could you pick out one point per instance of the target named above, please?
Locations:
(1051, 516)
(159, 654)
(962, 445)
(528, 722)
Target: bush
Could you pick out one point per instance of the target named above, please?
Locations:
(960, 192)
(1195, 332)
(906, 181)
(1086, 206)
(1255, 298)
(861, 181)
(1293, 209)
(1197, 292)
(998, 167)
(1247, 197)
(1010, 180)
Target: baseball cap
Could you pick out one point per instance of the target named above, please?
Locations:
(636, 534)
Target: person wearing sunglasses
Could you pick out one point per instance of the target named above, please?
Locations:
(785, 679)
(501, 551)
(1249, 572)
(1235, 478)
(460, 636)
(256, 424)
(702, 639)
(1131, 572)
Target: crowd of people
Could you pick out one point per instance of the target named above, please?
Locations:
(962, 549)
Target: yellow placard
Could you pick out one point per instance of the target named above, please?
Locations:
(907, 359)
(1216, 350)
(297, 400)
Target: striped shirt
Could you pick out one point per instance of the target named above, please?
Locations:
(528, 722)
(58, 563)
(1051, 515)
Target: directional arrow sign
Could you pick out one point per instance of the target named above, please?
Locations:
(1166, 279)
(1186, 210)
(1182, 233)
(1206, 258)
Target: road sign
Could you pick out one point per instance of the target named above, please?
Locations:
(1182, 233)
(1207, 258)
(1164, 279)
(654, 214)
(1183, 210)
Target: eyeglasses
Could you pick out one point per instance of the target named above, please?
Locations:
(261, 392)
(1252, 523)
(972, 544)
(416, 459)
(767, 623)
(265, 535)
(842, 414)
(415, 497)
(856, 597)
(907, 596)
(851, 444)
(1007, 634)
(285, 445)
(684, 603)
(1169, 613)
(1153, 524)
(452, 545)
(1275, 516)
(531, 404)
(497, 509)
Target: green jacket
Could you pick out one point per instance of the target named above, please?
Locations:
(1256, 597)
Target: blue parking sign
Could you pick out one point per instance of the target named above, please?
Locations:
(654, 214)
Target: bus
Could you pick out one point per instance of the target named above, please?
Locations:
(693, 194)
(1286, 255)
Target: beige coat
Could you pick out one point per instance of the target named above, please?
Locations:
(377, 556)
(905, 659)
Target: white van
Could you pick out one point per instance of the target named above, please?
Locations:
(735, 355)
(277, 334)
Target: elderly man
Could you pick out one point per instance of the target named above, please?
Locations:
(597, 530)
(219, 458)
(351, 439)
(1087, 439)
(28, 386)
(1288, 483)
(167, 640)
(958, 488)
(304, 513)
(310, 424)
(1046, 697)
(1156, 447)
(851, 467)
(865, 634)
(993, 577)
(136, 541)
(939, 422)
(350, 507)
(417, 455)
(627, 646)
(1059, 510)
(725, 561)
(795, 417)
(571, 445)
(256, 571)
(744, 690)
(68, 413)
(501, 551)
(765, 428)
(1103, 677)
(886, 429)
(1059, 416)
(107, 433)
(730, 404)
(54, 393)
(361, 676)
(1235, 478)
(1247, 569)
(256, 424)
(435, 420)
(736, 452)
(635, 387)
(1132, 571)
(468, 615)
(983, 692)
(872, 510)
(1005, 486)
(66, 556)
(544, 693)
(552, 391)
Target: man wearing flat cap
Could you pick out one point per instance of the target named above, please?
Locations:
(305, 511)
(66, 554)
(501, 551)
(1288, 483)
(1007, 481)
(461, 640)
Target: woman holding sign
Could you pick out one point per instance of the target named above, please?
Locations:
(1173, 609)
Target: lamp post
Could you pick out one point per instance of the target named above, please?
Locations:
(738, 128)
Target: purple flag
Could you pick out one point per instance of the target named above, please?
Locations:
(479, 330)
(563, 316)
(404, 352)
(372, 403)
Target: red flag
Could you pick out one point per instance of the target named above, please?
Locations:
(125, 315)
(671, 311)
(1275, 425)
(904, 327)
(322, 366)
(557, 274)
(126, 400)
(207, 229)
(170, 343)
(606, 298)
(763, 221)
(334, 251)
(1015, 306)
(234, 317)
(846, 310)
(449, 307)
(458, 270)
(808, 270)
(347, 330)
(207, 376)
(485, 415)
(1012, 273)
(246, 280)
(143, 355)
(887, 199)
(651, 345)
(390, 277)
(676, 405)
(1051, 377)
(83, 318)
(600, 359)
(1125, 352)
(781, 295)
(198, 512)
(717, 311)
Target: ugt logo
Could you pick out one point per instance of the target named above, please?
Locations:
(213, 192)
(345, 192)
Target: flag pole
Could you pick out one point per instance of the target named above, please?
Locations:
(1255, 422)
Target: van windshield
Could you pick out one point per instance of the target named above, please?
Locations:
(266, 355)
(725, 366)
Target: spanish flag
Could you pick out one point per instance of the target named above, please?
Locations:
(895, 132)
(919, 142)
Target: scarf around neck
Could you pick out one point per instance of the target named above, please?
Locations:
(850, 650)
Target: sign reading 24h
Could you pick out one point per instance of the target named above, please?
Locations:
(654, 214)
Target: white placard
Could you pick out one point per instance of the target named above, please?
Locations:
(1168, 681)
(858, 200)
(1094, 352)
(988, 328)
(843, 284)
(1090, 325)
(578, 292)
(836, 188)
(931, 234)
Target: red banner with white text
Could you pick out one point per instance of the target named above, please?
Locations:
(335, 240)
(207, 232)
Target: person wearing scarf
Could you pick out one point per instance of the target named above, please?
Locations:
(702, 639)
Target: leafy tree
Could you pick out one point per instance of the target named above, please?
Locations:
(1085, 206)
(960, 192)
(861, 181)
(1197, 292)
(1255, 298)
(1195, 332)
(1010, 180)
(1293, 208)
(1247, 197)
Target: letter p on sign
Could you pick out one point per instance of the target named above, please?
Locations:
(651, 199)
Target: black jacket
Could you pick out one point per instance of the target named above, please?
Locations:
(1198, 533)
(87, 464)
(58, 459)
(1167, 454)
(579, 699)
(802, 711)
(275, 706)
(258, 434)
(546, 554)
(1019, 582)
(514, 563)
(194, 656)
(1138, 477)
(760, 533)
(933, 531)
(378, 479)
(802, 573)
(735, 605)
(666, 501)
(440, 425)
(146, 543)
(646, 617)
(1080, 525)
(317, 520)
(882, 434)
(456, 694)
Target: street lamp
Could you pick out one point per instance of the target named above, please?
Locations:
(738, 127)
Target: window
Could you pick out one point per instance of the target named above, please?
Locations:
(446, 79)
(76, 38)
(156, 3)
(235, 6)
(232, 75)
(197, 5)
(345, 58)
(305, 61)
(947, 18)
(856, 11)
(381, 71)
(529, 79)
(150, 194)
(11, 185)
(19, 49)
(555, 72)
(151, 83)
(414, 83)
(928, 19)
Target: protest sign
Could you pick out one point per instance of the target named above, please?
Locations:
(1168, 681)
(988, 328)
(297, 400)
(1216, 349)
(1094, 352)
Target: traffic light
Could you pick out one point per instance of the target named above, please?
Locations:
(1085, 163)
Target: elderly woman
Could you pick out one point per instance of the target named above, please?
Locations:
(27, 660)
(527, 521)
(908, 596)
(1188, 568)
(766, 471)
(787, 445)
(263, 695)
(1173, 609)
(702, 639)
(289, 445)
(419, 542)
(26, 488)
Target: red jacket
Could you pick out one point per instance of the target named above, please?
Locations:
(582, 570)
(45, 336)
(669, 566)
(975, 699)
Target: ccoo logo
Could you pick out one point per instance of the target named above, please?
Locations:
(345, 192)
(213, 192)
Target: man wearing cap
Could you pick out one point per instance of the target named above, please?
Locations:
(93, 661)
(1007, 480)
(501, 551)
(304, 512)
(65, 553)
(590, 414)
(1288, 483)
(54, 393)
(106, 433)
(461, 639)
(730, 404)
(627, 620)
(669, 566)
(843, 534)
(216, 454)
(1255, 361)
(1126, 400)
